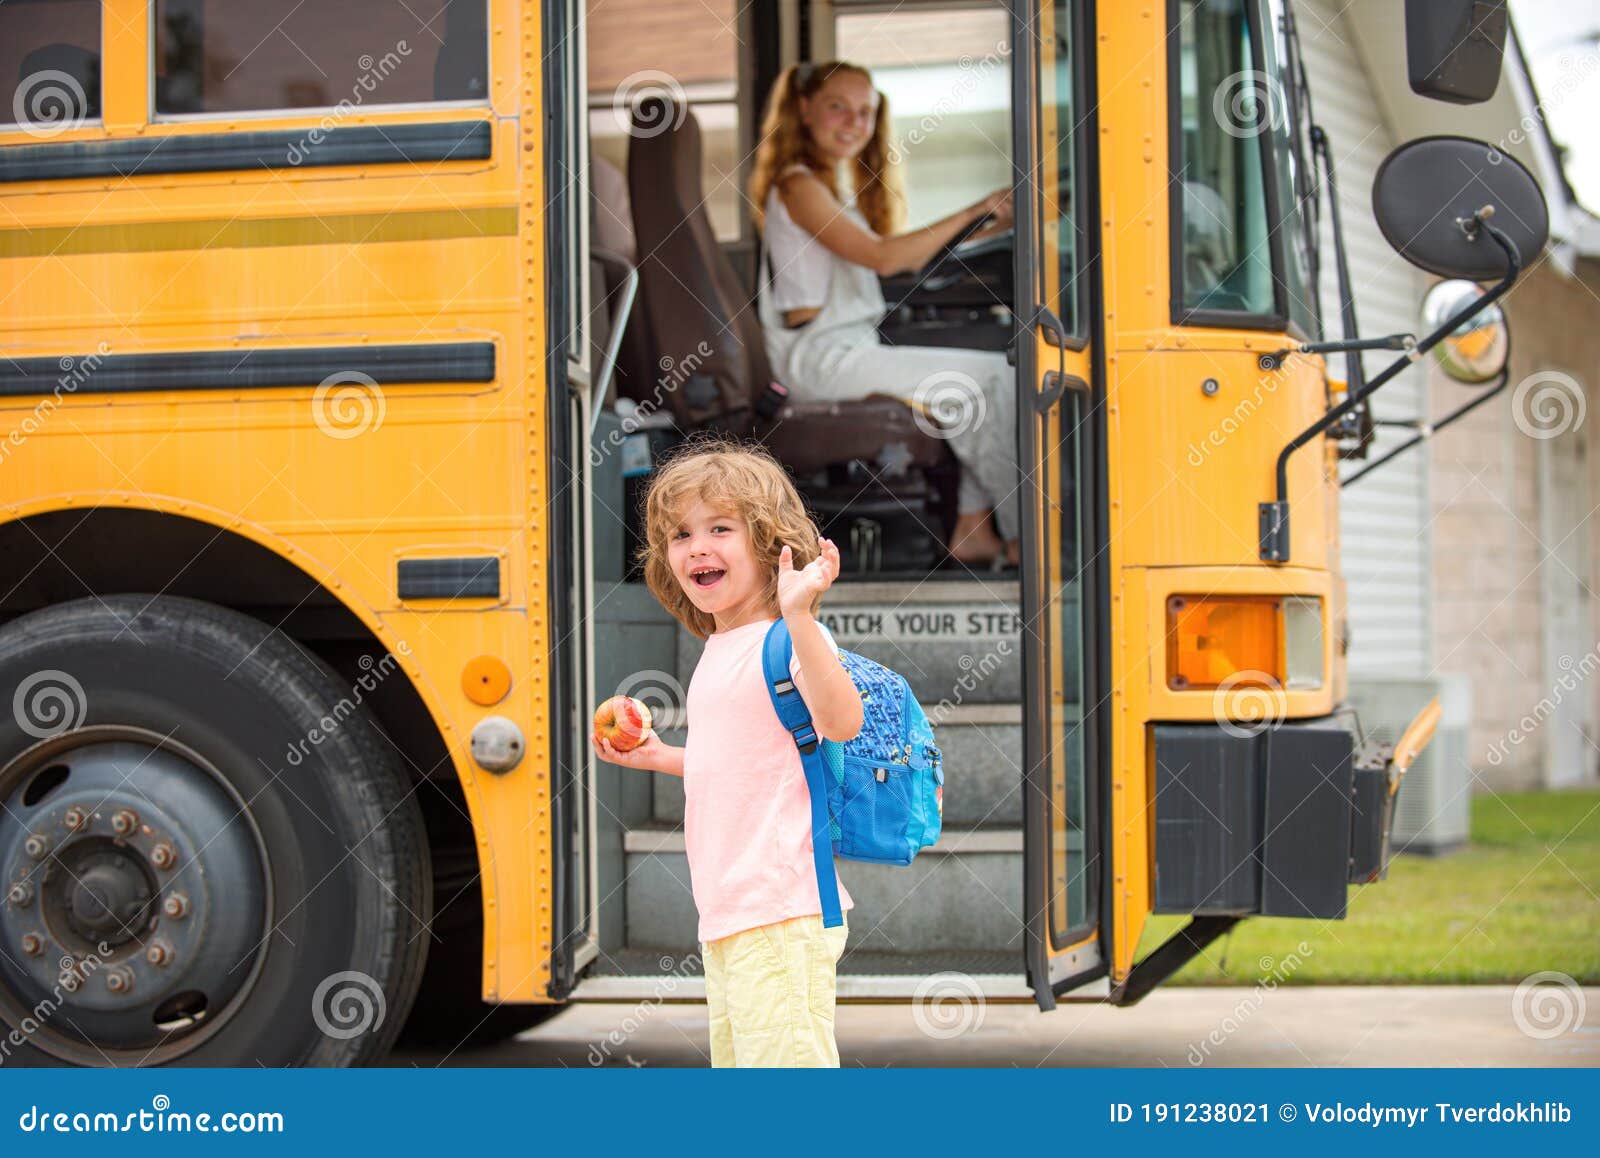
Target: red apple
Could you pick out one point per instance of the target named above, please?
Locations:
(623, 721)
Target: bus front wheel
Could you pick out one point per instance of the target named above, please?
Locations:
(208, 853)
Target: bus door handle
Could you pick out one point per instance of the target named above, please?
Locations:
(1057, 381)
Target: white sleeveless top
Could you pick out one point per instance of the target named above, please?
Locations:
(802, 273)
(801, 265)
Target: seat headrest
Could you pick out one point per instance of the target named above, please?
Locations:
(666, 144)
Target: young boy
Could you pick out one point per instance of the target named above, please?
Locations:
(729, 549)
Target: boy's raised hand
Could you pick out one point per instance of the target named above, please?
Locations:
(797, 589)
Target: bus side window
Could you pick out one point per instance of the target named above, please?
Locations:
(1224, 108)
(49, 64)
(220, 56)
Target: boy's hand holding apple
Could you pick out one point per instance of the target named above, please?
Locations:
(648, 755)
(624, 734)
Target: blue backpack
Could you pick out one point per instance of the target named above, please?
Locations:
(878, 798)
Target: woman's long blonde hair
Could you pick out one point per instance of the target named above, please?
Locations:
(785, 142)
(744, 480)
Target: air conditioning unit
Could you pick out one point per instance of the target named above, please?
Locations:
(1433, 812)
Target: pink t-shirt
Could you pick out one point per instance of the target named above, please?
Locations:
(747, 811)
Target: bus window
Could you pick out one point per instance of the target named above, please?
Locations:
(947, 76)
(220, 56)
(50, 63)
(1225, 263)
(688, 51)
(1060, 112)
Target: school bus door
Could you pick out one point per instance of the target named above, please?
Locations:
(1060, 428)
(574, 915)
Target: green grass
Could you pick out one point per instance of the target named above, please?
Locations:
(1523, 896)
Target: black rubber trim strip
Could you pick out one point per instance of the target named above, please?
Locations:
(268, 149)
(470, 577)
(248, 369)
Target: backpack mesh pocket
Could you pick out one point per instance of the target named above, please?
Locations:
(877, 799)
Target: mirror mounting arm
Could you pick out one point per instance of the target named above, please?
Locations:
(1276, 359)
(1274, 516)
(1426, 430)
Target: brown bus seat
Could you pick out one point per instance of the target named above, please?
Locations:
(691, 294)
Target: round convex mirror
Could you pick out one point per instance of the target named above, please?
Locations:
(1476, 350)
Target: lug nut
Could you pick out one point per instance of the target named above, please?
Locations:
(21, 894)
(162, 856)
(125, 822)
(70, 981)
(120, 979)
(177, 906)
(74, 818)
(159, 953)
(36, 846)
(32, 944)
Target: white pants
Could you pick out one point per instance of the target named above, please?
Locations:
(970, 398)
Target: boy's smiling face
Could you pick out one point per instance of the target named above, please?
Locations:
(710, 554)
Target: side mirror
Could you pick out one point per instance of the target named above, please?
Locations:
(1427, 192)
(1476, 350)
(1454, 48)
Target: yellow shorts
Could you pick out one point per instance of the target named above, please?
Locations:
(770, 992)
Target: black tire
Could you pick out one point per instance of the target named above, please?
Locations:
(343, 865)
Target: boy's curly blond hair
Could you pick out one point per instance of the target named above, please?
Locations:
(745, 481)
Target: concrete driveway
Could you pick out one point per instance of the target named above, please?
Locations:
(1174, 1027)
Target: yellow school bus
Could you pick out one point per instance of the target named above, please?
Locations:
(325, 402)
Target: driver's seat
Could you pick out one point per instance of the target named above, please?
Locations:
(855, 462)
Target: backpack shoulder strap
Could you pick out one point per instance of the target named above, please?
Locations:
(776, 651)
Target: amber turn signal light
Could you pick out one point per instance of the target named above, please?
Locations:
(1234, 638)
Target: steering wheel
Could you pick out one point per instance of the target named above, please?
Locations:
(934, 277)
(948, 250)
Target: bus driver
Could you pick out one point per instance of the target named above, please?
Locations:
(826, 130)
